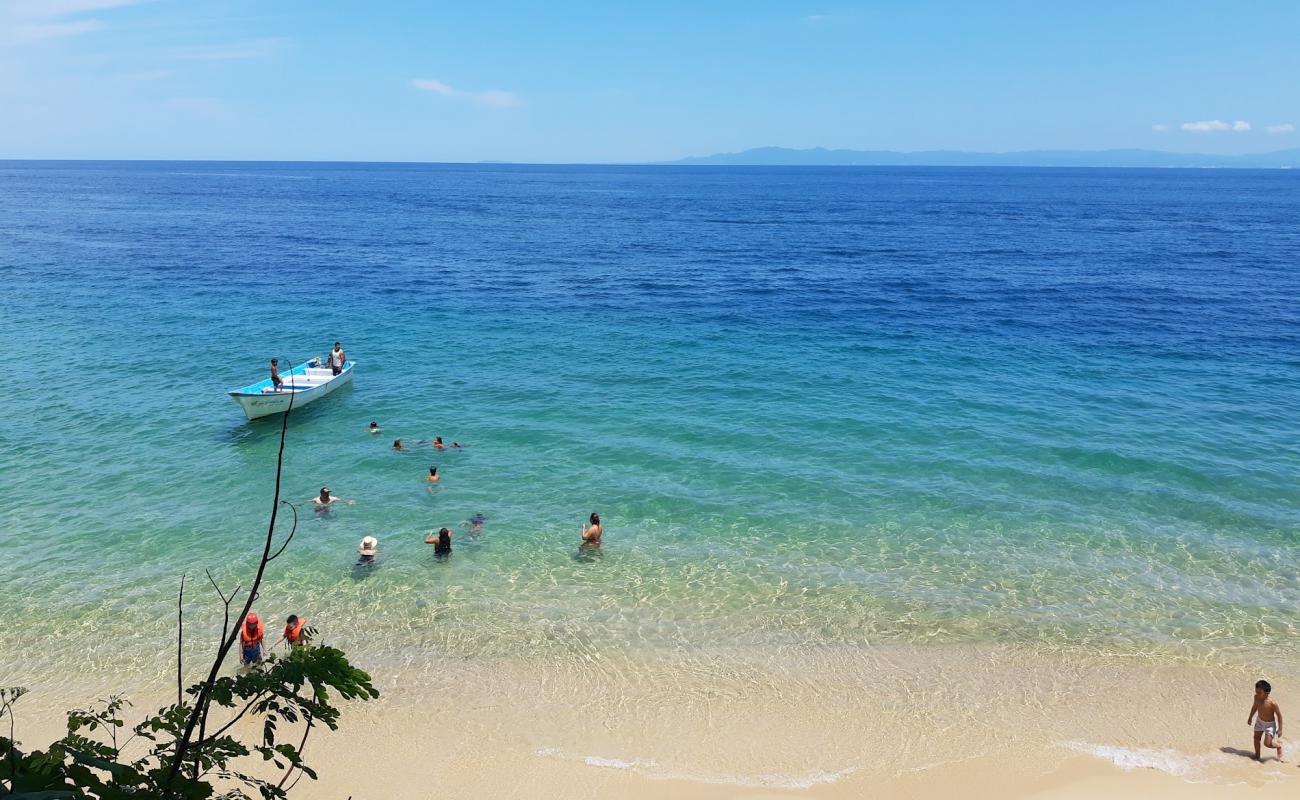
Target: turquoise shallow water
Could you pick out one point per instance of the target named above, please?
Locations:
(1052, 408)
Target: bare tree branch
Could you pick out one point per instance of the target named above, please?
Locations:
(292, 530)
(301, 744)
(180, 640)
(204, 697)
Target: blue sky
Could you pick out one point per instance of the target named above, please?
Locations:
(567, 81)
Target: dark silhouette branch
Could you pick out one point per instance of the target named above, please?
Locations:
(301, 744)
(292, 530)
(180, 640)
(201, 702)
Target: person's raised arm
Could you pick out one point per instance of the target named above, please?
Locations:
(430, 538)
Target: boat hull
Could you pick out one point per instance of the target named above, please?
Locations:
(257, 401)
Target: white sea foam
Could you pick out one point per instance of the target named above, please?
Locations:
(1128, 759)
(649, 769)
(615, 763)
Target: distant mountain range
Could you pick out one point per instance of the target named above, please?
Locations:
(821, 157)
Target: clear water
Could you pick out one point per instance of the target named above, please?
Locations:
(1052, 408)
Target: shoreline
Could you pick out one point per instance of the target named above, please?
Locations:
(907, 721)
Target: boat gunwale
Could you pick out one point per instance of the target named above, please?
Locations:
(265, 383)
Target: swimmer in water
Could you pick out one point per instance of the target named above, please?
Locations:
(397, 445)
(437, 443)
(441, 542)
(591, 533)
(475, 523)
(433, 476)
(325, 499)
(374, 427)
(367, 550)
(455, 445)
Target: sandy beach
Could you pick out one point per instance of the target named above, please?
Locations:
(894, 721)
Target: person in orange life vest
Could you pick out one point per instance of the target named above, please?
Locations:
(295, 632)
(251, 634)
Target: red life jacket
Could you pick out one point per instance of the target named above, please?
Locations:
(293, 633)
(252, 631)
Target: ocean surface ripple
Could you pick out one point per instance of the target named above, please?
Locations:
(816, 407)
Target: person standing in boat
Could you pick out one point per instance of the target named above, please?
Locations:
(276, 382)
(338, 358)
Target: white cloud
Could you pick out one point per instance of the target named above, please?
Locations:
(30, 21)
(437, 87)
(490, 98)
(1212, 125)
(1285, 127)
(61, 8)
(29, 32)
(815, 17)
(231, 51)
(1160, 127)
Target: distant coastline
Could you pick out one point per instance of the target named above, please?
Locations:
(823, 157)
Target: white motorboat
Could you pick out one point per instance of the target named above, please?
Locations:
(304, 384)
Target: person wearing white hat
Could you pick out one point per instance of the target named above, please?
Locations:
(368, 548)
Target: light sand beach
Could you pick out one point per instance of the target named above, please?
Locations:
(891, 721)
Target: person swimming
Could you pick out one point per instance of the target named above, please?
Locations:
(441, 542)
(367, 550)
(591, 533)
(437, 443)
(475, 523)
(374, 427)
(433, 476)
(324, 499)
(397, 445)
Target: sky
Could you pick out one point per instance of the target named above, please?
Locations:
(569, 81)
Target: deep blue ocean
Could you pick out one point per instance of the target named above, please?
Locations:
(1050, 407)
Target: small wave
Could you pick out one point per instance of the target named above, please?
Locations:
(648, 769)
(1170, 762)
(615, 763)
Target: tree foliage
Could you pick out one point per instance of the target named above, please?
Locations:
(95, 759)
(190, 750)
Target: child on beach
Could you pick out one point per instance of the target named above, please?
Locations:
(251, 634)
(1268, 719)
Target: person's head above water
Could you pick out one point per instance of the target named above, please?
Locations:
(368, 545)
(433, 471)
(397, 444)
(324, 494)
(595, 518)
(374, 424)
(437, 440)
